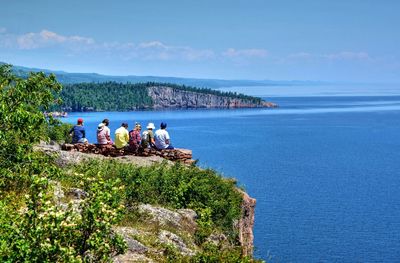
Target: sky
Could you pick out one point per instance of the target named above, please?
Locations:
(321, 40)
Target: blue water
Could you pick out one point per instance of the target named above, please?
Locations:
(325, 171)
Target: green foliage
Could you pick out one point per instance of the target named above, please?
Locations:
(205, 225)
(216, 254)
(46, 232)
(33, 227)
(113, 96)
(101, 209)
(59, 132)
(210, 253)
(22, 121)
(39, 233)
(107, 96)
(214, 199)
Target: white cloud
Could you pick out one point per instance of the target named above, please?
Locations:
(156, 50)
(339, 56)
(3, 30)
(47, 38)
(153, 44)
(152, 50)
(346, 55)
(245, 53)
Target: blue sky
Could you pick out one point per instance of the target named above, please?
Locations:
(341, 40)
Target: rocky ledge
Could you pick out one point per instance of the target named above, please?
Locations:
(178, 154)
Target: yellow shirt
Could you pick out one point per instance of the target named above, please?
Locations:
(121, 137)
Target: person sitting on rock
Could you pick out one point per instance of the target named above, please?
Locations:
(162, 138)
(107, 131)
(148, 136)
(134, 138)
(122, 136)
(78, 133)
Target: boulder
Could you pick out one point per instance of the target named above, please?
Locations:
(170, 238)
(181, 219)
(182, 155)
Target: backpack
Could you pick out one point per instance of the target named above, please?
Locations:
(145, 138)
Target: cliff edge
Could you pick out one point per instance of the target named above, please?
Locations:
(155, 227)
(168, 97)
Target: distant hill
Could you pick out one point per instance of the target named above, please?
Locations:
(71, 78)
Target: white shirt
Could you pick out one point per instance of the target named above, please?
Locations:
(161, 136)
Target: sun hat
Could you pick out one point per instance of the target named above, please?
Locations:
(151, 126)
(101, 125)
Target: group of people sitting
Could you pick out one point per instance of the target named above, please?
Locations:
(133, 140)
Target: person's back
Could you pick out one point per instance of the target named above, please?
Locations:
(162, 139)
(134, 138)
(148, 136)
(78, 132)
(121, 136)
(101, 134)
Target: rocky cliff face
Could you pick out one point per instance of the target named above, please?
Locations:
(167, 97)
(246, 224)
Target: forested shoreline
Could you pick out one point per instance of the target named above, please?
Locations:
(114, 96)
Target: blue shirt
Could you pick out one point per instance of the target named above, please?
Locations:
(79, 133)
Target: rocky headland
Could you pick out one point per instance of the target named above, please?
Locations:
(112, 96)
(164, 97)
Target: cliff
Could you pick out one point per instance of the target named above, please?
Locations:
(156, 228)
(111, 96)
(168, 97)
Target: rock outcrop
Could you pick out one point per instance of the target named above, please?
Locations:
(182, 155)
(246, 224)
(65, 158)
(167, 97)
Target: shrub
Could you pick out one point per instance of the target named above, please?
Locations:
(214, 198)
(215, 254)
(45, 232)
(22, 120)
(59, 132)
(33, 228)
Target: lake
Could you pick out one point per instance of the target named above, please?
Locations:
(325, 170)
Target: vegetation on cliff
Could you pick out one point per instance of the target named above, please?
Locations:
(37, 225)
(113, 96)
(107, 96)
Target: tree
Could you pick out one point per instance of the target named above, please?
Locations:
(33, 227)
(22, 122)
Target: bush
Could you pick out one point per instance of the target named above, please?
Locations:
(22, 122)
(215, 254)
(59, 132)
(45, 232)
(33, 228)
(214, 198)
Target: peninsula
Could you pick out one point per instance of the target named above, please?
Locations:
(114, 96)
